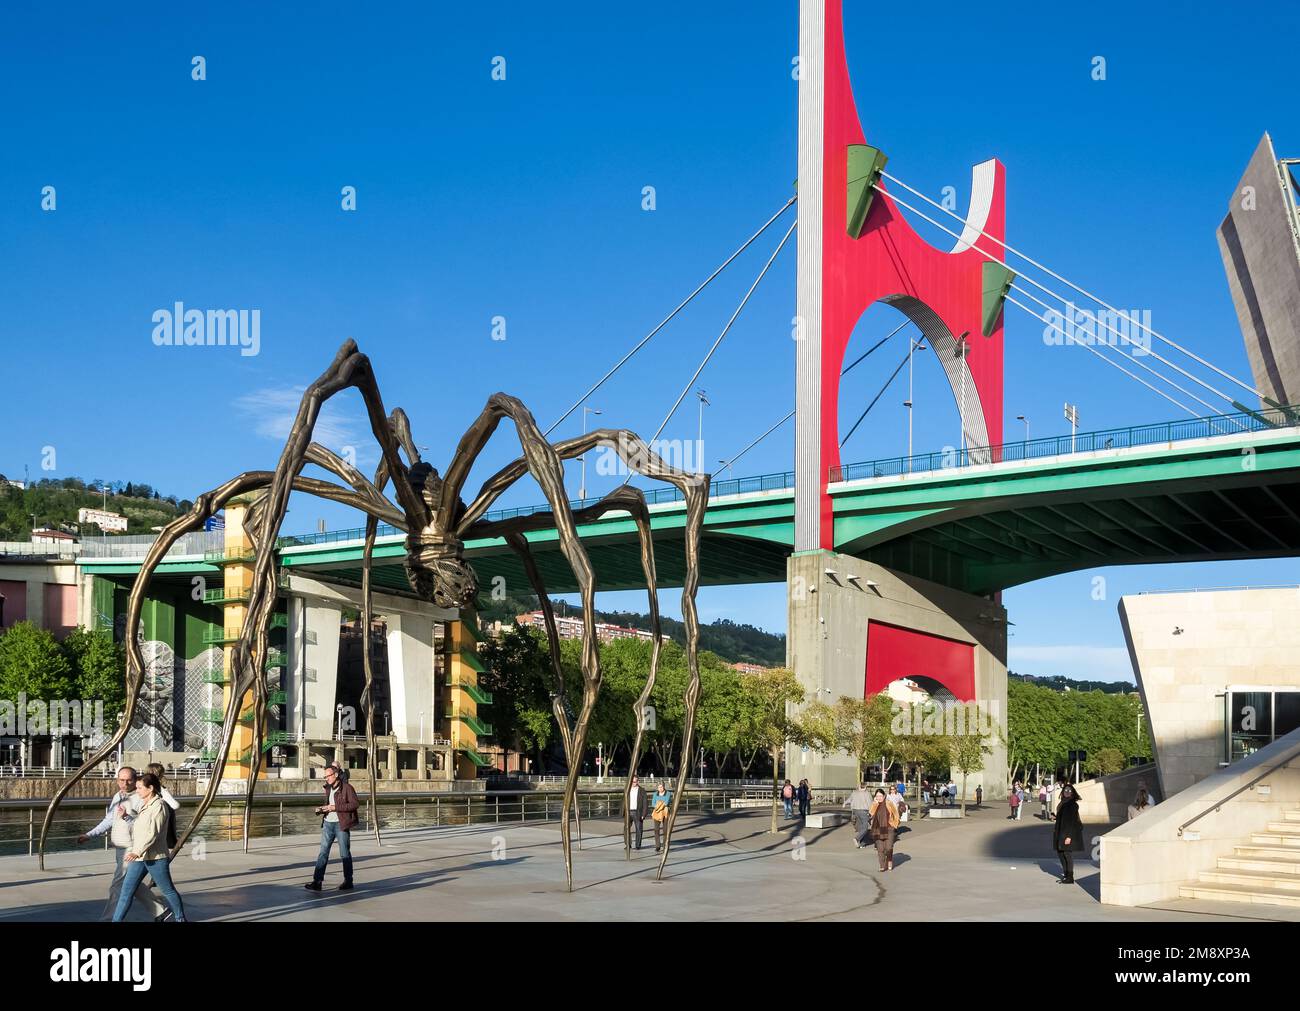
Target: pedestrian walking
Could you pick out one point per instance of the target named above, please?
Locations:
(805, 798)
(1051, 797)
(979, 796)
(882, 816)
(118, 819)
(925, 793)
(1067, 837)
(1042, 800)
(660, 804)
(787, 795)
(899, 798)
(859, 804)
(149, 851)
(1013, 801)
(636, 808)
(1140, 803)
(952, 793)
(339, 815)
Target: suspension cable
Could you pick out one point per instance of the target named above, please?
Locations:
(1108, 361)
(646, 339)
(729, 463)
(878, 343)
(700, 368)
(844, 372)
(888, 383)
(1075, 287)
(1154, 354)
(1130, 357)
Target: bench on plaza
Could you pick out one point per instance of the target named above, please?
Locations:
(827, 819)
(749, 802)
(944, 812)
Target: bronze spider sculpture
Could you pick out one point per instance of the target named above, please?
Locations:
(437, 522)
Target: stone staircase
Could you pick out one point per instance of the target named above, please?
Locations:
(1266, 870)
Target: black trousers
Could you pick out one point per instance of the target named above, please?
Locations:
(636, 831)
(1067, 863)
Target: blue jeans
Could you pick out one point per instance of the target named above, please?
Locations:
(789, 807)
(329, 831)
(162, 876)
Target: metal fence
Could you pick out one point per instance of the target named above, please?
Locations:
(1134, 436)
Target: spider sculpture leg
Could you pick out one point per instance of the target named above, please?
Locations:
(559, 701)
(638, 456)
(633, 501)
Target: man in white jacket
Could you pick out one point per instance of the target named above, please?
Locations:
(118, 818)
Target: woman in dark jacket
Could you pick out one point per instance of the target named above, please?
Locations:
(1067, 836)
(805, 798)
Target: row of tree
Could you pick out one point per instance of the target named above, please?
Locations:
(87, 666)
(1044, 726)
(745, 721)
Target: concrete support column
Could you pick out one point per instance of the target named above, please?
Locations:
(392, 762)
(410, 673)
(322, 623)
(834, 598)
(422, 763)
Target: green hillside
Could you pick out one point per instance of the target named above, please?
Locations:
(54, 502)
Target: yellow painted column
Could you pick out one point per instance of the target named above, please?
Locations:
(463, 669)
(237, 571)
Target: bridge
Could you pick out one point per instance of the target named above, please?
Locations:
(1223, 487)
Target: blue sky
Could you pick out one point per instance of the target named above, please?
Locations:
(522, 199)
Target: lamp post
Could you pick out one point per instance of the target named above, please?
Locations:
(913, 345)
(600, 762)
(1025, 452)
(963, 349)
(699, 443)
(701, 765)
(338, 709)
(1072, 416)
(582, 489)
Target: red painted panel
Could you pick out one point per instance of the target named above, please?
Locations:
(60, 608)
(15, 594)
(894, 652)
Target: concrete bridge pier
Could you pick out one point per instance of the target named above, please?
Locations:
(856, 628)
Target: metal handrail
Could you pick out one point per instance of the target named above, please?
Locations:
(1068, 445)
(1217, 805)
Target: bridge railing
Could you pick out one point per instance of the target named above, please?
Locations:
(729, 486)
(1133, 436)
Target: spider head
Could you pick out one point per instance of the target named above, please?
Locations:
(434, 566)
(446, 580)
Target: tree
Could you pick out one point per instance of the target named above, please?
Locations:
(518, 674)
(33, 665)
(774, 694)
(98, 667)
(1106, 762)
(967, 749)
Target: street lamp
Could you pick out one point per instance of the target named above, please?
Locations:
(1025, 453)
(1072, 416)
(701, 765)
(726, 465)
(912, 345)
(338, 709)
(582, 489)
(963, 349)
(699, 444)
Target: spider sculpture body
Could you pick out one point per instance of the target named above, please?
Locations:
(437, 521)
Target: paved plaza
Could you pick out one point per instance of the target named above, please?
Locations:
(723, 867)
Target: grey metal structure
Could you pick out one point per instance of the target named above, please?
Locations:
(437, 522)
(1259, 241)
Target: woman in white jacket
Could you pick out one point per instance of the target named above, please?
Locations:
(149, 850)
